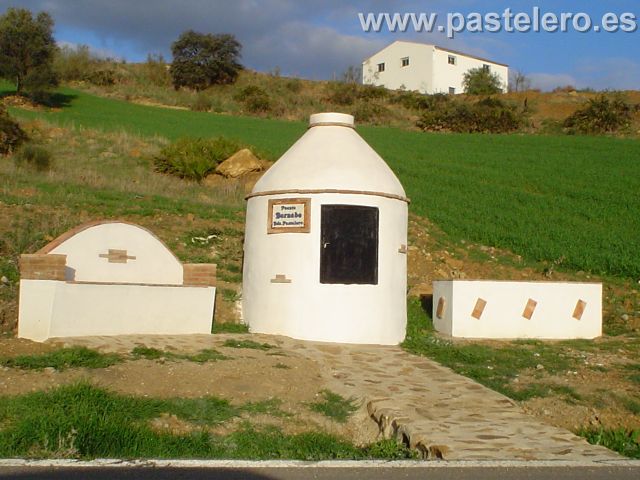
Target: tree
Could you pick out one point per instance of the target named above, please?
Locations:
(518, 81)
(481, 81)
(201, 60)
(27, 49)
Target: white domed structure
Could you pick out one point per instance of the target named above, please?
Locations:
(326, 241)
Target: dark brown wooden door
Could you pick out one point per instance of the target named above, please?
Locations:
(349, 244)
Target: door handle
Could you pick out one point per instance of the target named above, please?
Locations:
(324, 245)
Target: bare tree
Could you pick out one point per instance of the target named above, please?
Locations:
(518, 81)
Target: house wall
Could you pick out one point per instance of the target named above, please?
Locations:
(447, 76)
(418, 75)
(306, 309)
(50, 308)
(428, 70)
(503, 314)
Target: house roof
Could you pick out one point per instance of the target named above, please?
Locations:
(457, 52)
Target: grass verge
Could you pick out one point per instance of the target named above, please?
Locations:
(73, 357)
(234, 343)
(625, 442)
(203, 356)
(334, 406)
(493, 366)
(82, 421)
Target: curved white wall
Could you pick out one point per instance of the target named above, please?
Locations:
(153, 262)
(305, 308)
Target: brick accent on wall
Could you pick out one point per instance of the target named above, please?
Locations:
(203, 274)
(42, 266)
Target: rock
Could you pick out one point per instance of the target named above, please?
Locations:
(4, 280)
(50, 370)
(539, 367)
(238, 164)
(624, 317)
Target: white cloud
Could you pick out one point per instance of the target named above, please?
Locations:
(614, 73)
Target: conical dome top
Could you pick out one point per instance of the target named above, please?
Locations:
(330, 156)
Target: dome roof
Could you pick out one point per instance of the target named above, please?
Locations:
(330, 156)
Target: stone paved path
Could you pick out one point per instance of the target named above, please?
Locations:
(442, 414)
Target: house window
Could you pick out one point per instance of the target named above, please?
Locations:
(452, 60)
(405, 62)
(381, 67)
(486, 67)
(452, 90)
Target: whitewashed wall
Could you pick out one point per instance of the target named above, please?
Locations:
(428, 70)
(418, 75)
(309, 310)
(506, 301)
(446, 75)
(64, 309)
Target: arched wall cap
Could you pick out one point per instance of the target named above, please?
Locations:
(96, 223)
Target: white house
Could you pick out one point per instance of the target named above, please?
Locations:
(425, 68)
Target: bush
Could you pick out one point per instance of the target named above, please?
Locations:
(603, 114)
(194, 158)
(103, 77)
(342, 93)
(293, 85)
(202, 103)
(489, 115)
(370, 112)
(34, 156)
(420, 101)
(73, 63)
(11, 134)
(372, 92)
(156, 70)
(481, 81)
(254, 98)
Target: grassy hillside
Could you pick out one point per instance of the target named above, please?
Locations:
(568, 200)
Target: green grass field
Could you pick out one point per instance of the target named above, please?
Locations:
(570, 200)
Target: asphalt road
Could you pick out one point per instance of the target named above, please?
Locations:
(320, 473)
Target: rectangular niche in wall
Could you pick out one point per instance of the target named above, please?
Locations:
(349, 245)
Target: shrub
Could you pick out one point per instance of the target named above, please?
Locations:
(370, 112)
(73, 63)
(254, 98)
(603, 114)
(489, 115)
(342, 93)
(103, 77)
(371, 92)
(11, 134)
(481, 81)
(194, 158)
(34, 156)
(419, 101)
(202, 103)
(293, 85)
(156, 70)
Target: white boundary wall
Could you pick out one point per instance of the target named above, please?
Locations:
(66, 309)
(498, 309)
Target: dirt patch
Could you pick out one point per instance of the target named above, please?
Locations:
(247, 376)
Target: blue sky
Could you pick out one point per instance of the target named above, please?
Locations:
(320, 39)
